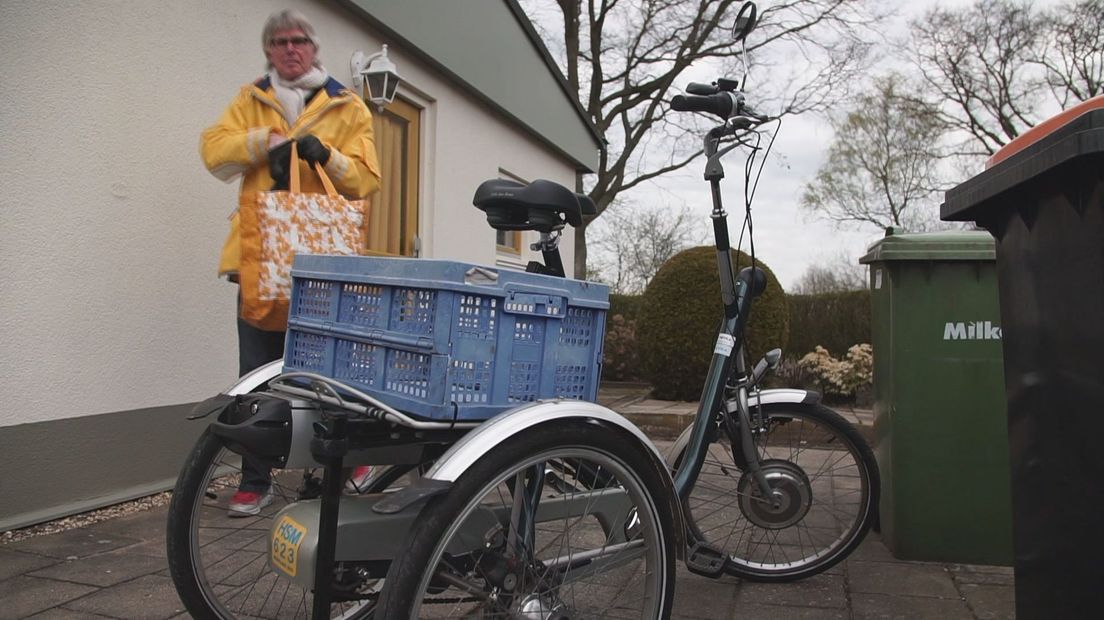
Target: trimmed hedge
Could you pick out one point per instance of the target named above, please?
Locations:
(677, 325)
(835, 321)
(627, 306)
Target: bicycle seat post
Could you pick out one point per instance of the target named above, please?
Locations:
(549, 247)
(329, 447)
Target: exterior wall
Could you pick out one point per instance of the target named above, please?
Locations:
(110, 227)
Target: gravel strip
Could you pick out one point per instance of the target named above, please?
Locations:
(87, 518)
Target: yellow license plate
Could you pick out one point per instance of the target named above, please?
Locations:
(286, 538)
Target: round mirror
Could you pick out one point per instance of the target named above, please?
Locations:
(745, 22)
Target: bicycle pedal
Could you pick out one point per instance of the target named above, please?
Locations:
(707, 561)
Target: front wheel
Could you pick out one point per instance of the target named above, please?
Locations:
(826, 477)
(568, 520)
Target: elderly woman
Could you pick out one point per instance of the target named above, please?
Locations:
(296, 101)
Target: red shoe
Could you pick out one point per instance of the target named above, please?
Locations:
(247, 503)
(359, 479)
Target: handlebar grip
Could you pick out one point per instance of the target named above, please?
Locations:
(695, 88)
(719, 104)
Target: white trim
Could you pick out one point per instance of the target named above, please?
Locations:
(510, 261)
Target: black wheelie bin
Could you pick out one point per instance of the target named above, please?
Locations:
(1042, 199)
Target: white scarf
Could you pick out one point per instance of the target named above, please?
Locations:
(293, 95)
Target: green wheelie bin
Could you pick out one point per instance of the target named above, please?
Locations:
(939, 418)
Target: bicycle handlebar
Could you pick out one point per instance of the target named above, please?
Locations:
(725, 103)
(722, 104)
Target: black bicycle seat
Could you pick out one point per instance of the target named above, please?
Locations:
(510, 205)
(586, 205)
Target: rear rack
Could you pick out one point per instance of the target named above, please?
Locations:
(329, 391)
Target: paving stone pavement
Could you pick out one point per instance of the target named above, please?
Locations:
(117, 569)
(101, 572)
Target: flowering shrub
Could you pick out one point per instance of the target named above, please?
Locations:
(841, 377)
(621, 362)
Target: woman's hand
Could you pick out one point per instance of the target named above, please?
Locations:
(312, 150)
(279, 164)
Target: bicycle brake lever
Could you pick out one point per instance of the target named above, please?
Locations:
(737, 123)
(749, 112)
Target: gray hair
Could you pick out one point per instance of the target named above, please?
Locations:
(288, 19)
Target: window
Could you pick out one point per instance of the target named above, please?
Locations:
(393, 217)
(509, 241)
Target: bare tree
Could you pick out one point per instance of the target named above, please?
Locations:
(883, 168)
(1072, 51)
(991, 66)
(632, 242)
(623, 56)
(838, 275)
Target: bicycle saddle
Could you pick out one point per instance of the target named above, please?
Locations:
(510, 205)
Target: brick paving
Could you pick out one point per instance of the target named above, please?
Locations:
(117, 569)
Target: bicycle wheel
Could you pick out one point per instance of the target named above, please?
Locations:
(601, 544)
(829, 486)
(220, 564)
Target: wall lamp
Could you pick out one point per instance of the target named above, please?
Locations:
(378, 75)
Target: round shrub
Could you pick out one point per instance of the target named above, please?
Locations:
(681, 311)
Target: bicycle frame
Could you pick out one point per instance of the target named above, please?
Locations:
(728, 354)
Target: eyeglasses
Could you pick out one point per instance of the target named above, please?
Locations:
(295, 41)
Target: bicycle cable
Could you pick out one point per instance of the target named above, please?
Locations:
(749, 196)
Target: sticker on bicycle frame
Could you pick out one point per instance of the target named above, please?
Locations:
(286, 538)
(725, 343)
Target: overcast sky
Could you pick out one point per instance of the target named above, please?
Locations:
(786, 238)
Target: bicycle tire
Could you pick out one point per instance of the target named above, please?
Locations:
(414, 586)
(219, 564)
(829, 478)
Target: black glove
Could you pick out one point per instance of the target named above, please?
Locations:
(311, 150)
(279, 166)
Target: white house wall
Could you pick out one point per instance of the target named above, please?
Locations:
(111, 228)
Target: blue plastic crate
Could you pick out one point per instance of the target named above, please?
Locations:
(445, 340)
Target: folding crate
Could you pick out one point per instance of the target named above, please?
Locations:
(445, 340)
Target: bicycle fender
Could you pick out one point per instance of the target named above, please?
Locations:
(244, 385)
(787, 396)
(500, 428)
(464, 453)
(256, 378)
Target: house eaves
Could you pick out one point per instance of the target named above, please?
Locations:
(490, 49)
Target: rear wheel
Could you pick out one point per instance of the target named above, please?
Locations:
(826, 477)
(220, 564)
(601, 544)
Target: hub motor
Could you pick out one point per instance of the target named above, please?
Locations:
(542, 607)
(789, 482)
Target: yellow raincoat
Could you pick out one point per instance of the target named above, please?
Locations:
(238, 145)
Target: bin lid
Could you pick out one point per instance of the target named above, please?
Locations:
(1075, 133)
(938, 246)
